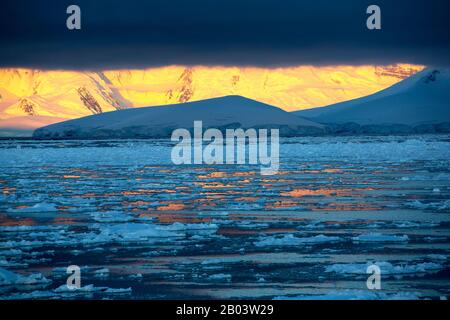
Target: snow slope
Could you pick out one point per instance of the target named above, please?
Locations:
(160, 121)
(421, 99)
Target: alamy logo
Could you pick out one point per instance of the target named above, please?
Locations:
(73, 21)
(74, 280)
(374, 280)
(374, 20)
(239, 146)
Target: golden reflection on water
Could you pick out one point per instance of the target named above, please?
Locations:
(64, 208)
(171, 207)
(7, 221)
(176, 217)
(281, 204)
(332, 171)
(136, 203)
(213, 185)
(249, 199)
(61, 220)
(297, 193)
(327, 192)
(242, 174)
(217, 174)
(8, 190)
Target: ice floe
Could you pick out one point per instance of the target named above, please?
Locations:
(385, 267)
(91, 289)
(291, 240)
(113, 216)
(220, 277)
(11, 278)
(354, 295)
(39, 207)
(378, 237)
(440, 206)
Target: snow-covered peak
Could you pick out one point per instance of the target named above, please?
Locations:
(156, 121)
(423, 98)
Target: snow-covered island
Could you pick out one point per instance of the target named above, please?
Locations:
(160, 121)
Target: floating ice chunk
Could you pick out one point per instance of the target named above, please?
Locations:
(413, 224)
(145, 231)
(441, 205)
(378, 237)
(435, 239)
(39, 207)
(428, 177)
(112, 216)
(416, 204)
(24, 228)
(137, 276)
(385, 267)
(354, 295)
(213, 261)
(437, 257)
(9, 263)
(31, 295)
(11, 252)
(251, 225)
(178, 226)
(101, 273)
(3, 263)
(118, 290)
(244, 206)
(134, 232)
(227, 259)
(91, 289)
(220, 277)
(290, 208)
(11, 278)
(21, 243)
(291, 240)
(218, 213)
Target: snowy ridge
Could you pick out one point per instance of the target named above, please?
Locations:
(421, 101)
(160, 121)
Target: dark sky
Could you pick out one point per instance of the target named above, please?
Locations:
(135, 34)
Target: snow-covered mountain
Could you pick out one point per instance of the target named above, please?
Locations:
(421, 101)
(29, 97)
(33, 98)
(160, 121)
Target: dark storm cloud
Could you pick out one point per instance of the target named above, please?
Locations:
(130, 33)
